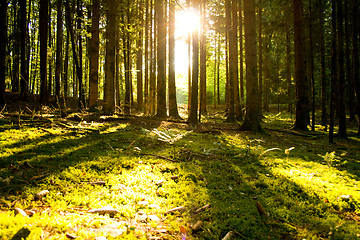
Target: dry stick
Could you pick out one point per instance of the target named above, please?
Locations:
(158, 156)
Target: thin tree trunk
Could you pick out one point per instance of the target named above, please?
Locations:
(109, 90)
(146, 75)
(231, 63)
(334, 72)
(288, 69)
(43, 29)
(59, 49)
(203, 110)
(260, 55)
(173, 110)
(24, 72)
(94, 55)
(311, 66)
(139, 60)
(323, 67)
(241, 55)
(3, 42)
(340, 34)
(80, 68)
(193, 115)
(161, 59)
(16, 54)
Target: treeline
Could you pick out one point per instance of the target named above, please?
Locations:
(120, 54)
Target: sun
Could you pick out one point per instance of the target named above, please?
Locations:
(187, 21)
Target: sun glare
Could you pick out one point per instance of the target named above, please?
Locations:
(187, 21)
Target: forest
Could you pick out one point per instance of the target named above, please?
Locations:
(179, 119)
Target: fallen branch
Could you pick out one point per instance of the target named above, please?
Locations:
(158, 156)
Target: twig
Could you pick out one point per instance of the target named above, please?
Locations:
(110, 146)
(158, 156)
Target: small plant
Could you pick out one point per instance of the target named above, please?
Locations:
(330, 159)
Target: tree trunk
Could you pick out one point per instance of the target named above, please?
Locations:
(146, 75)
(109, 90)
(340, 34)
(80, 65)
(251, 120)
(3, 42)
(59, 49)
(173, 110)
(334, 70)
(24, 71)
(43, 29)
(235, 20)
(215, 66)
(323, 67)
(139, 60)
(355, 55)
(311, 67)
(231, 76)
(203, 110)
(66, 65)
(288, 69)
(94, 55)
(349, 77)
(260, 55)
(241, 55)
(302, 113)
(16, 50)
(193, 115)
(161, 59)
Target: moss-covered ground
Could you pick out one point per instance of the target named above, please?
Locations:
(280, 184)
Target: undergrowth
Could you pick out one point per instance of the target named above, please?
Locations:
(211, 181)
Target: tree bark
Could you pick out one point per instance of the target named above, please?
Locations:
(231, 63)
(43, 29)
(251, 120)
(323, 67)
(139, 59)
(203, 110)
(355, 55)
(59, 49)
(173, 110)
(24, 71)
(94, 55)
(334, 70)
(109, 90)
(161, 59)
(340, 34)
(302, 113)
(193, 115)
(3, 42)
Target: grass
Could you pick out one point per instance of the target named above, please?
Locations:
(308, 188)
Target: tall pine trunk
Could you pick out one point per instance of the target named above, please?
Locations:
(94, 55)
(3, 42)
(302, 114)
(43, 29)
(59, 50)
(252, 114)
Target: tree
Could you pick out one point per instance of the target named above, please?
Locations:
(232, 61)
(3, 42)
(341, 76)
(302, 114)
(94, 55)
(355, 54)
(139, 58)
(334, 71)
(322, 66)
(161, 59)
(59, 50)
(193, 114)
(43, 29)
(24, 75)
(173, 110)
(202, 99)
(251, 119)
(109, 90)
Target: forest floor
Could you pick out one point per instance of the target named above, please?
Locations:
(89, 176)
